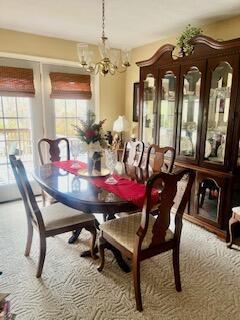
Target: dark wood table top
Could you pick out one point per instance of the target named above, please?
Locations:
(79, 193)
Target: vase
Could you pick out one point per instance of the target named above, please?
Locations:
(94, 161)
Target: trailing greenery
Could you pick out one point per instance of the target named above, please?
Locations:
(185, 37)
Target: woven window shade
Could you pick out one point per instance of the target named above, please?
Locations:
(70, 86)
(16, 82)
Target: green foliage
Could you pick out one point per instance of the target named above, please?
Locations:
(185, 37)
(88, 131)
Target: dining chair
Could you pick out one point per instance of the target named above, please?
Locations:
(49, 221)
(54, 155)
(159, 159)
(54, 150)
(133, 156)
(141, 236)
(233, 222)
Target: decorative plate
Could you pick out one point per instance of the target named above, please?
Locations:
(208, 149)
(95, 173)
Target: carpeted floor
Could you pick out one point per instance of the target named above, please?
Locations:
(72, 288)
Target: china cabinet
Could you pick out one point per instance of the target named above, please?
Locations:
(192, 103)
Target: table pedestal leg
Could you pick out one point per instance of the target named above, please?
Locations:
(74, 236)
(118, 256)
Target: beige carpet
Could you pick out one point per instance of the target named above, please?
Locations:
(72, 288)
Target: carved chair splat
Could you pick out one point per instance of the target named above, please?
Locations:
(54, 153)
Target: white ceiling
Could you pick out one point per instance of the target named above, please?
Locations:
(129, 23)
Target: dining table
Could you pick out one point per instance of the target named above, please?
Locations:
(82, 193)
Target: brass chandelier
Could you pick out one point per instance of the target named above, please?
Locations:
(110, 62)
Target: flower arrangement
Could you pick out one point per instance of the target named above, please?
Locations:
(185, 37)
(88, 131)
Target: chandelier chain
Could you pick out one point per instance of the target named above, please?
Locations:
(103, 18)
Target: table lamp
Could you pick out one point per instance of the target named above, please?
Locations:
(121, 125)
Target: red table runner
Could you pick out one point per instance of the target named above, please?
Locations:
(126, 189)
(66, 165)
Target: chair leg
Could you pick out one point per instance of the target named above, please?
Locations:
(41, 256)
(93, 231)
(29, 240)
(176, 268)
(137, 285)
(43, 198)
(101, 247)
(232, 224)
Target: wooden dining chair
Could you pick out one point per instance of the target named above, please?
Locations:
(233, 222)
(51, 220)
(54, 155)
(133, 156)
(159, 159)
(141, 236)
(54, 150)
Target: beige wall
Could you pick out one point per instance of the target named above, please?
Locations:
(111, 89)
(223, 30)
(115, 93)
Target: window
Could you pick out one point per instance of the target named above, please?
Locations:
(37, 100)
(67, 112)
(15, 134)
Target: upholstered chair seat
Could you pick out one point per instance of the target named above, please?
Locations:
(124, 229)
(58, 216)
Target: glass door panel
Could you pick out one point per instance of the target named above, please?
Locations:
(167, 110)
(15, 135)
(148, 115)
(208, 199)
(218, 113)
(190, 112)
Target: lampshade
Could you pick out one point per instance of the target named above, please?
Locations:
(121, 124)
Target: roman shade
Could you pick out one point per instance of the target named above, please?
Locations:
(16, 82)
(70, 86)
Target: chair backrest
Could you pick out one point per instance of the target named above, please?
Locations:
(133, 156)
(166, 184)
(54, 150)
(160, 159)
(33, 212)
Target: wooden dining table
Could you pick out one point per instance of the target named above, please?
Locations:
(78, 192)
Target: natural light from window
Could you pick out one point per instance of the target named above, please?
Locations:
(15, 134)
(67, 113)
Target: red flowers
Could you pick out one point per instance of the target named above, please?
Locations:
(90, 133)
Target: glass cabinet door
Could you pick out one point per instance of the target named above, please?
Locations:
(218, 113)
(148, 114)
(190, 113)
(208, 201)
(167, 110)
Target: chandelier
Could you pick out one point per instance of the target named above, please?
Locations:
(113, 60)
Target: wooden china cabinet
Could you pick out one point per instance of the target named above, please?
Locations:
(192, 103)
